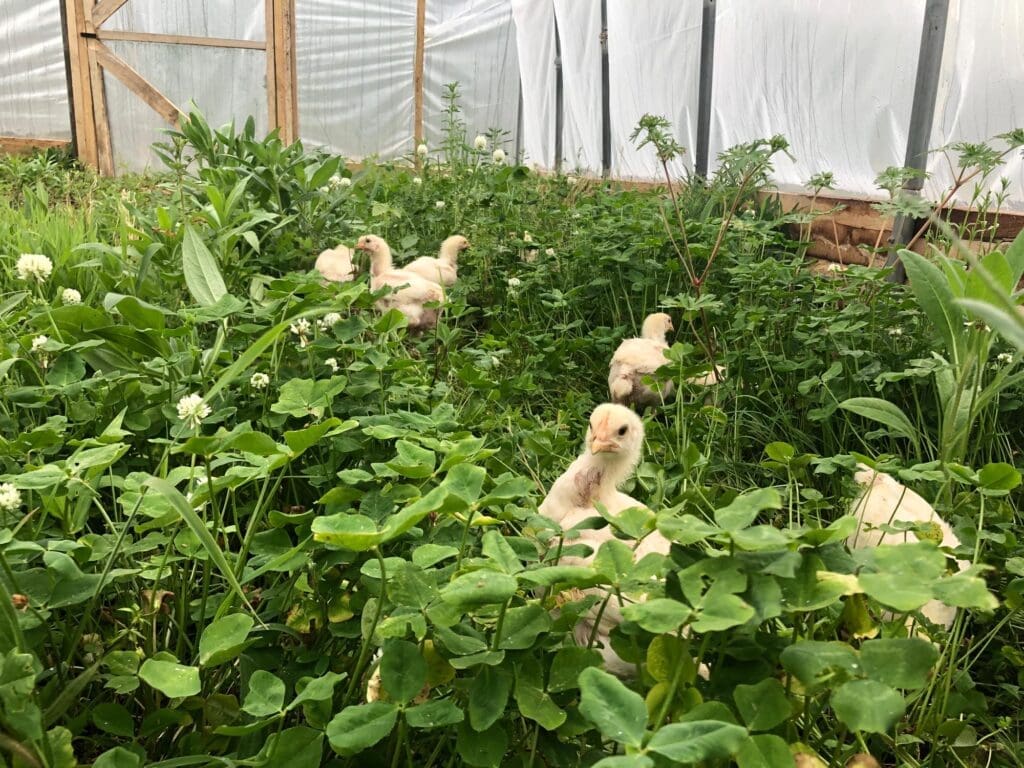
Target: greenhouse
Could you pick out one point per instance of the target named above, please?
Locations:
(536, 383)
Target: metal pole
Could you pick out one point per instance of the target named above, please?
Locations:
(519, 125)
(922, 114)
(606, 104)
(558, 99)
(707, 68)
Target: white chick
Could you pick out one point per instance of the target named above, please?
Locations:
(882, 501)
(613, 446)
(335, 264)
(636, 358)
(442, 270)
(413, 291)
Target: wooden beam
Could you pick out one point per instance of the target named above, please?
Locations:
(154, 37)
(102, 11)
(418, 63)
(84, 128)
(104, 146)
(269, 26)
(286, 86)
(23, 145)
(135, 82)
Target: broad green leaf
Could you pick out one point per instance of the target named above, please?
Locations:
(113, 718)
(763, 705)
(522, 626)
(403, 670)
(497, 549)
(118, 757)
(434, 714)
(883, 412)
(619, 713)
(481, 750)
(567, 665)
(743, 510)
(899, 662)
(355, 532)
(570, 575)
(817, 663)
(614, 561)
(963, 591)
(482, 587)
(625, 761)
(202, 276)
(298, 747)
(265, 696)
(931, 289)
(659, 615)
(998, 477)
(172, 680)
(764, 751)
(412, 460)
(1005, 321)
(224, 639)
(488, 696)
(361, 726)
(867, 705)
(465, 481)
(665, 655)
(315, 689)
(698, 740)
(533, 701)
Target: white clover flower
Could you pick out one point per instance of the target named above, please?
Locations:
(328, 320)
(192, 410)
(259, 381)
(301, 328)
(514, 282)
(835, 267)
(498, 156)
(417, 180)
(480, 142)
(1004, 357)
(527, 237)
(895, 331)
(495, 362)
(70, 296)
(345, 182)
(335, 180)
(571, 179)
(332, 363)
(10, 497)
(549, 252)
(439, 204)
(324, 190)
(422, 150)
(39, 342)
(33, 266)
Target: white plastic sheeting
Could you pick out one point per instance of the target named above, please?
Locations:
(473, 43)
(33, 84)
(535, 40)
(355, 73)
(835, 77)
(654, 64)
(981, 91)
(579, 26)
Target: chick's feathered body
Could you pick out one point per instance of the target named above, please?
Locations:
(883, 501)
(443, 269)
(639, 357)
(612, 450)
(335, 264)
(412, 292)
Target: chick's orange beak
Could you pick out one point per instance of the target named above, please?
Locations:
(602, 445)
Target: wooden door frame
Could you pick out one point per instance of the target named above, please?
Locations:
(89, 58)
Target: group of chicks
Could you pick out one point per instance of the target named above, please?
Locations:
(417, 288)
(613, 443)
(613, 446)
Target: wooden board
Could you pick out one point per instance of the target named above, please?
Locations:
(286, 104)
(418, 63)
(154, 37)
(84, 126)
(21, 145)
(104, 146)
(135, 82)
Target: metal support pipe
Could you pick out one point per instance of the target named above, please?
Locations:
(606, 103)
(519, 125)
(706, 78)
(922, 115)
(559, 107)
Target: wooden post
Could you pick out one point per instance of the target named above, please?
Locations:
(269, 27)
(84, 126)
(285, 74)
(417, 76)
(104, 146)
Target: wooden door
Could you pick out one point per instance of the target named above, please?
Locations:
(90, 58)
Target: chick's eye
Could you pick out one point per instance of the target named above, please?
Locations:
(622, 430)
